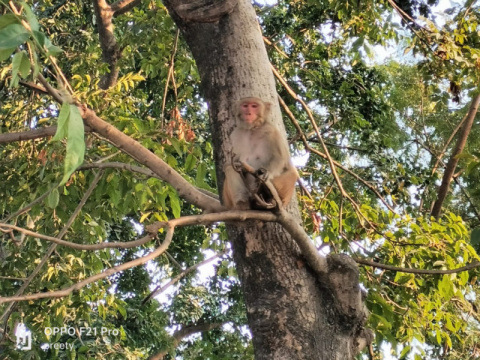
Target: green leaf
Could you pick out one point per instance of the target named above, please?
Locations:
(12, 36)
(40, 37)
(368, 49)
(8, 19)
(190, 163)
(176, 144)
(62, 122)
(75, 143)
(46, 44)
(52, 199)
(357, 43)
(82, 349)
(475, 237)
(201, 173)
(31, 18)
(472, 166)
(121, 309)
(445, 288)
(5, 53)
(175, 204)
(53, 50)
(405, 351)
(21, 64)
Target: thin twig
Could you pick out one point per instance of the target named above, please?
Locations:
(340, 166)
(161, 288)
(152, 229)
(471, 266)
(29, 206)
(292, 93)
(51, 249)
(69, 244)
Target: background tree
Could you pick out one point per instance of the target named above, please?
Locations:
(83, 216)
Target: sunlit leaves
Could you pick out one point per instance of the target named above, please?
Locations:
(20, 67)
(13, 35)
(52, 199)
(31, 18)
(45, 44)
(70, 126)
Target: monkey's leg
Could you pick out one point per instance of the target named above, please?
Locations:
(285, 185)
(235, 193)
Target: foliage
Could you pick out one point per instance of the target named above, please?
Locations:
(387, 123)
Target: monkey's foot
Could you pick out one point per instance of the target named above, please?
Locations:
(261, 203)
(262, 174)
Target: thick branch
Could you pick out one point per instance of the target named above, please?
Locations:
(471, 266)
(454, 157)
(137, 169)
(317, 262)
(30, 134)
(110, 51)
(330, 160)
(150, 160)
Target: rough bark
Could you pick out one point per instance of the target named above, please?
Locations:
(110, 50)
(291, 313)
(453, 161)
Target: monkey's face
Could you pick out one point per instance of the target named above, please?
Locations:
(250, 111)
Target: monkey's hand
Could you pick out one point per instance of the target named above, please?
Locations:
(262, 174)
(241, 166)
(237, 163)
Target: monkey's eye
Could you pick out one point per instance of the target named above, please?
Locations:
(254, 106)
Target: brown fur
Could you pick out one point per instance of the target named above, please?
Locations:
(260, 146)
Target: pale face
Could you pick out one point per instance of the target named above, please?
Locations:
(250, 111)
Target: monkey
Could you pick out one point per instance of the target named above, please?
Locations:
(257, 143)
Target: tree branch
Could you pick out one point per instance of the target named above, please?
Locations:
(337, 164)
(170, 75)
(454, 157)
(110, 51)
(50, 250)
(150, 160)
(142, 155)
(202, 11)
(31, 134)
(101, 246)
(331, 163)
(185, 332)
(151, 229)
(160, 289)
(122, 6)
(77, 286)
(317, 262)
(137, 169)
(471, 266)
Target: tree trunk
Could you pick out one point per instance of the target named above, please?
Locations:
(290, 313)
